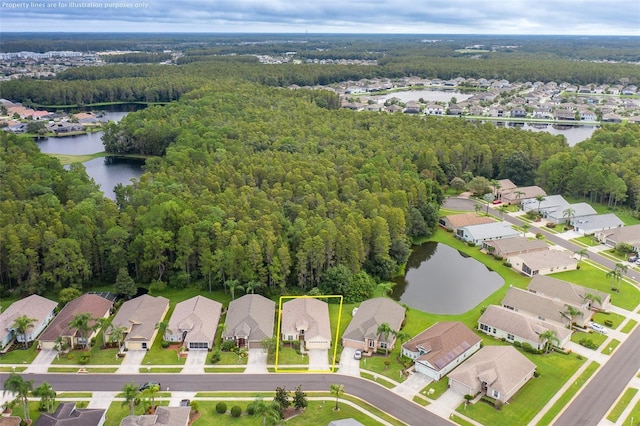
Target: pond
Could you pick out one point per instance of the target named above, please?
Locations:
(441, 280)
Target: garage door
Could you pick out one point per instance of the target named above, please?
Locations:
(198, 346)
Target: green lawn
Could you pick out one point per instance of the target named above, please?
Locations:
(591, 277)
(629, 326)
(555, 369)
(228, 358)
(596, 338)
(289, 356)
(378, 379)
(586, 241)
(98, 356)
(438, 387)
(634, 415)
(160, 356)
(19, 356)
(622, 404)
(610, 347)
(568, 394)
(616, 319)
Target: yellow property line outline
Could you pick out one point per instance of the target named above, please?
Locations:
(335, 341)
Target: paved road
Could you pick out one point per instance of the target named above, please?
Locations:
(592, 404)
(376, 395)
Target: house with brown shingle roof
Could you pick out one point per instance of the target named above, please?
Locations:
(573, 294)
(362, 331)
(441, 348)
(513, 246)
(96, 306)
(455, 221)
(140, 318)
(306, 319)
(68, 415)
(544, 308)
(249, 320)
(517, 195)
(543, 262)
(195, 322)
(35, 307)
(162, 416)
(625, 234)
(496, 371)
(503, 323)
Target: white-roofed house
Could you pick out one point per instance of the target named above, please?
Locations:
(35, 307)
(543, 262)
(571, 212)
(488, 231)
(587, 225)
(195, 322)
(497, 371)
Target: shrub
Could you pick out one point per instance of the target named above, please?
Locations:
(84, 359)
(608, 323)
(236, 411)
(471, 244)
(251, 410)
(228, 345)
(536, 374)
(539, 236)
(498, 404)
(164, 344)
(517, 344)
(157, 287)
(550, 225)
(216, 356)
(498, 257)
(195, 407)
(221, 408)
(527, 347)
(507, 264)
(468, 397)
(588, 343)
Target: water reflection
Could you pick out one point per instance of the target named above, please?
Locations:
(441, 280)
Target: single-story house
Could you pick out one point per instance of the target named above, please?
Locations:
(487, 231)
(96, 306)
(441, 348)
(544, 308)
(163, 416)
(250, 320)
(68, 415)
(194, 322)
(306, 319)
(455, 221)
(508, 247)
(35, 307)
(503, 323)
(570, 293)
(571, 212)
(517, 195)
(625, 234)
(587, 225)
(505, 185)
(140, 318)
(543, 262)
(362, 331)
(497, 371)
(545, 205)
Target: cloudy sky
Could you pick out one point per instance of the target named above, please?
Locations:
(583, 17)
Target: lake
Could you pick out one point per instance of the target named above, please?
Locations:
(441, 280)
(573, 133)
(429, 95)
(106, 172)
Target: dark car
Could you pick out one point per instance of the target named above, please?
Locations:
(147, 385)
(185, 403)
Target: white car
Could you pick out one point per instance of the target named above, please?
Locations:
(597, 327)
(357, 354)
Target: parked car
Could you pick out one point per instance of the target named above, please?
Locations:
(597, 327)
(633, 259)
(147, 385)
(357, 354)
(185, 403)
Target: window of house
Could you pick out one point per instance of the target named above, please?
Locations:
(494, 330)
(509, 336)
(290, 337)
(383, 345)
(372, 344)
(496, 394)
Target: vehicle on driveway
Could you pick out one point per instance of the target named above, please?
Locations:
(357, 354)
(147, 385)
(598, 328)
(185, 403)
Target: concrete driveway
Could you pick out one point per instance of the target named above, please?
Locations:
(256, 361)
(349, 365)
(195, 362)
(132, 362)
(318, 359)
(42, 361)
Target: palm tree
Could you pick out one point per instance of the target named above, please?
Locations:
(549, 337)
(478, 208)
(502, 210)
(270, 411)
(569, 213)
(582, 253)
(525, 227)
(252, 286)
(21, 326)
(151, 393)
(591, 298)
(131, 393)
(117, 335)
(163, 328)
(616, 274)
(21, 388)
(233, 285)
(385, 288)
(570, 312)
(385, 329)
(47, 395)
(518, 194)
(337, 390)
(82, 323)
(104, 324)
(539, 199)
(402, 336)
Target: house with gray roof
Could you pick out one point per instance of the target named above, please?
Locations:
(140, 318)
(543, 262)
(487, 231)
(92, 304)
(362, 331)
(35, 307)
(508, 247)
(570, 293)
(249, 320)
(306, 319)
(544, 308)
(570, 212)
(195, 322)
(625, 234)
(455, 221)
(163, 416)
(591, 224)
(496, 371)
(441, 348)
(503, 323)
(68, 415)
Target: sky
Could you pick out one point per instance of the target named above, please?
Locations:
(538, 17)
